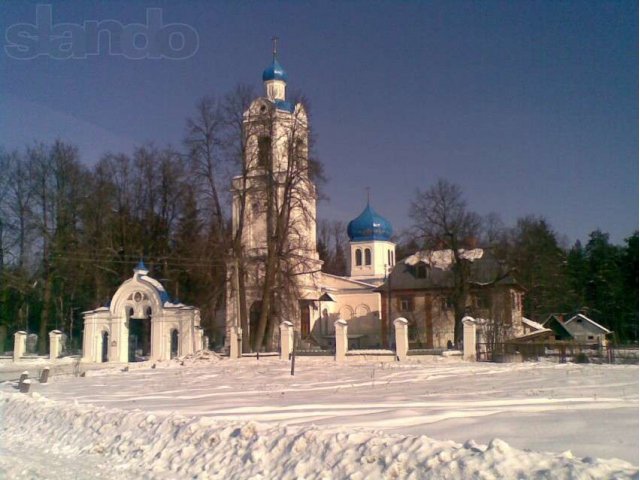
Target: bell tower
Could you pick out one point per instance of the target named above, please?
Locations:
(275, 198)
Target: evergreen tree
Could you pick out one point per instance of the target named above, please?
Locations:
(540, 267)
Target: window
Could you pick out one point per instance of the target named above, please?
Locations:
(367, 256)
(389, 257)
(405, 304)
(481, 301)
(446, 303)
(264, 150)
(421, 270)
(358, 257)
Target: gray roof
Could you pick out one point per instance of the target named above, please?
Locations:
(484, 271)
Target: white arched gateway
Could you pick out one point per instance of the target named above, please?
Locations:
(141, 323)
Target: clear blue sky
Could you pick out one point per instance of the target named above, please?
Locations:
(531, 107)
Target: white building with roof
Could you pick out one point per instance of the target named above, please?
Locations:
(141, 323)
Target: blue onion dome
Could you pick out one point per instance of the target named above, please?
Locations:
(369, 226)
(274, 72)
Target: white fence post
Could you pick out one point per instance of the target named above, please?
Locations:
(402, 338)
(55, 345)
(19, 345)
(469, 339)
(286, 340)
(342, 341)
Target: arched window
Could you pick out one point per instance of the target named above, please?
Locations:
(367, 256)
(264, 150)
(358, 257)
(175, 337)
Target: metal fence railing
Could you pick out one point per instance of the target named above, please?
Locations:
(561, 352)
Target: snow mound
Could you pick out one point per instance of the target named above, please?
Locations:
(442, 259)
(199, 357)
(176, 446)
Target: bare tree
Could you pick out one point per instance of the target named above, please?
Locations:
(204, 140)
(276, 196)
(233, 107)
(332, 241)
(441, 218)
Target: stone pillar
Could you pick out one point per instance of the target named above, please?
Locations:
(402, 338)
(286, 340)
(55, 344)
(19, 345)
(235, 346)
(469, 339)
(198, 340)
(342, 341)
(24, 386)
(205, 342)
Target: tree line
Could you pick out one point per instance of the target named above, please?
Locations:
(599, 279)
(71, 233)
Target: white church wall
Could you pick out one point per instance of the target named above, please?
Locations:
(361, 312)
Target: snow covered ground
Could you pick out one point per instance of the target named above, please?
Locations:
(250, 418)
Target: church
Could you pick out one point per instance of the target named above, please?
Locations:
(275, 272)
(280, 278)
(274, 217)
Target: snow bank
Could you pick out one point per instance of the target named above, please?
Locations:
(176, 446)
(202, 356)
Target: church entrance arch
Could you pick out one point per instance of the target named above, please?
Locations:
(105, 346)
(174, 343)
(139, 335)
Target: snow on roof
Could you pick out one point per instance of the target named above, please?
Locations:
(172, 305)
(534, 334)
(583, 317)
(532, 324)
(164, 296)
(442, 259)
(342, 279)
(99, 309)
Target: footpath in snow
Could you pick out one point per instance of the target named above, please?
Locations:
(326, 422)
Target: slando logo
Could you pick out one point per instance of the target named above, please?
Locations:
(136, 41)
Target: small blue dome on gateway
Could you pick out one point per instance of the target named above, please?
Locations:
(274, 72)
(369, 226)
